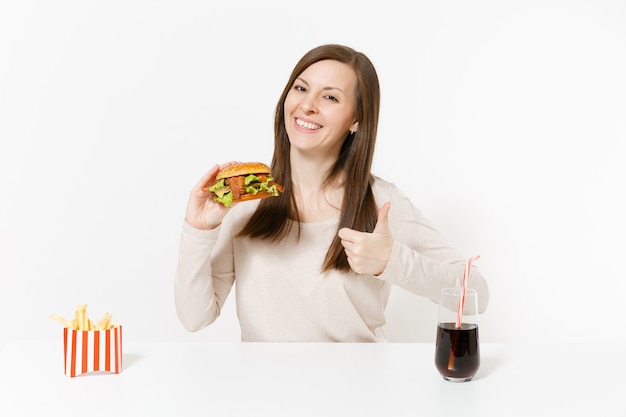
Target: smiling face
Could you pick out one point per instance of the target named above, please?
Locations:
(319, 108)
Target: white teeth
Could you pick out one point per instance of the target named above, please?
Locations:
(307, 125)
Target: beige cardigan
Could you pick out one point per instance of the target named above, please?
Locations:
(281, 295)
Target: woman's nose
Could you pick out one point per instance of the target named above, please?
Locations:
(308, 105)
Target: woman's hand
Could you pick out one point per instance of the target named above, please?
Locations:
(202, 211)
(369, 253)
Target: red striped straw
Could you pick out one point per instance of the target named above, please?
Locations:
(466, 274)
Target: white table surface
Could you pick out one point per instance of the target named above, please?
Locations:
(292, 379)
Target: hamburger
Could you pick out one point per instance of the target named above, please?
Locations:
(244, 181)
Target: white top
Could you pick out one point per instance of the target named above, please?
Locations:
(283, 297)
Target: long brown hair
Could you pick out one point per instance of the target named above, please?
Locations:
(272, 218)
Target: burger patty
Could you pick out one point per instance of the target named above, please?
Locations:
(236, 185)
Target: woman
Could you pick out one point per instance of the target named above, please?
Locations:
(317, 263)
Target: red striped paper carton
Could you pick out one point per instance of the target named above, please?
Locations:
(92, 351)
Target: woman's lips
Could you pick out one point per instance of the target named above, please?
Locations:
(307, 125)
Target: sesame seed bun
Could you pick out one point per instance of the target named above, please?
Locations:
(243, 168)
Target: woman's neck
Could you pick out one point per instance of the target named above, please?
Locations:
(308, 172)
(316, 199)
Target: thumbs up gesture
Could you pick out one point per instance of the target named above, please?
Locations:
(368, 253)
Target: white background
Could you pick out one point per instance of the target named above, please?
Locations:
(504, 121)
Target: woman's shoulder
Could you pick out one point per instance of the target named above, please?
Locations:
(384, 188)
(388, 191)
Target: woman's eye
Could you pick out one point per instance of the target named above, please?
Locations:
(299, 88)
(330, 97)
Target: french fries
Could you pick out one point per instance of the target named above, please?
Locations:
(82, 322)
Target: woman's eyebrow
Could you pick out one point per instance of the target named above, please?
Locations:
(324, 88)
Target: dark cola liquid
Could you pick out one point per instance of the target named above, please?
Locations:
(457, 354)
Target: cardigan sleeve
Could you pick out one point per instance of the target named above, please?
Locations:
(204, 276)
(422, 261)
